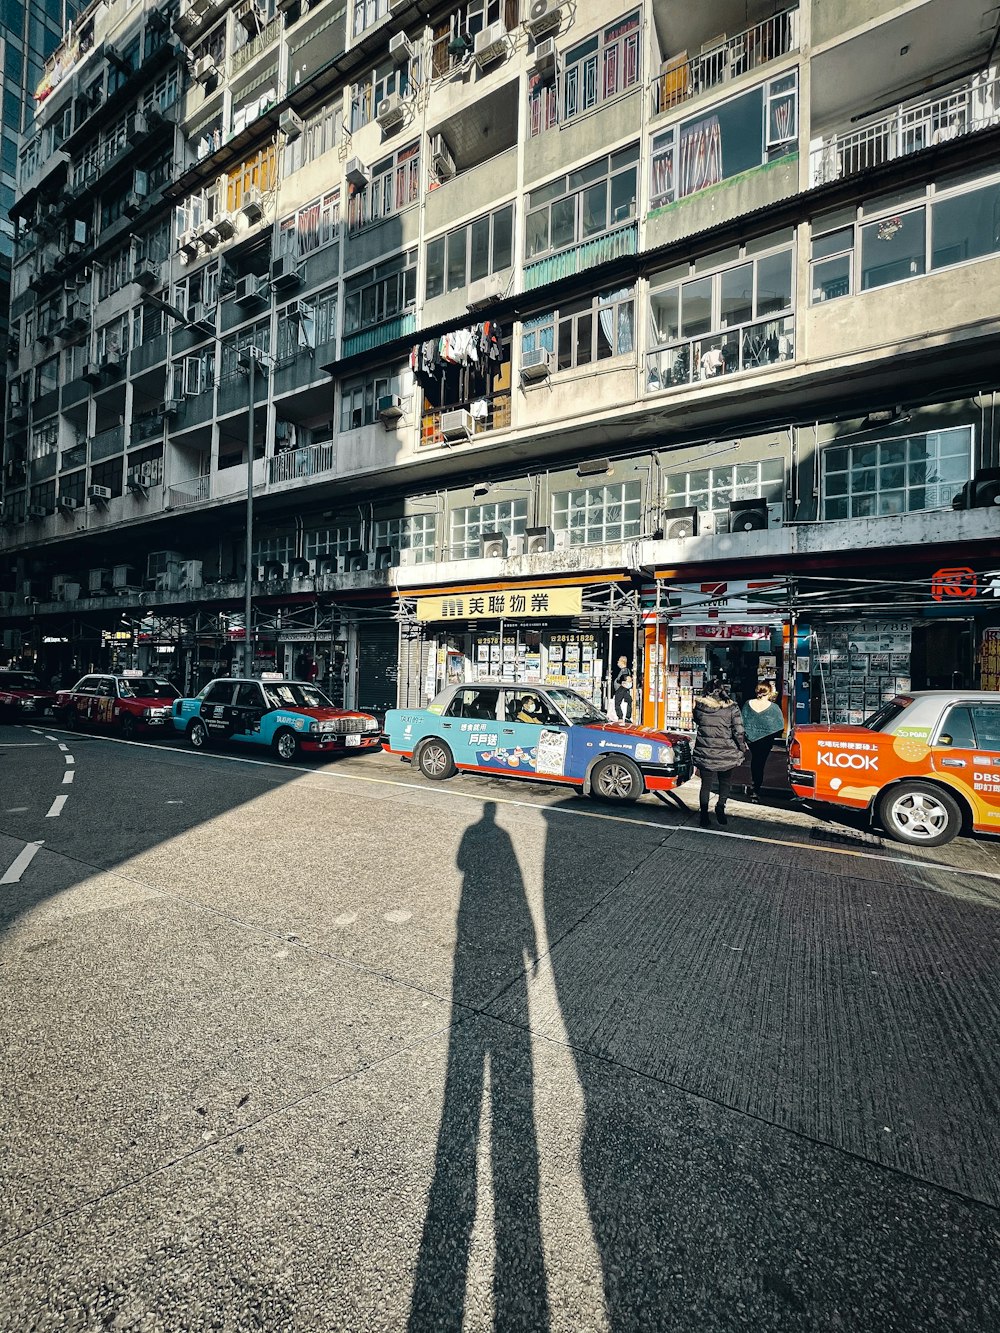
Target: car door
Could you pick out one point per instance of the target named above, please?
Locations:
(103, 705)
(527, 716)
(216, 709)
(80, 697)
(470, 726)
(248, 709)
(967, 749)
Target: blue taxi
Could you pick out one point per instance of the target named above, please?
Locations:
(287, 716)
(547, 733)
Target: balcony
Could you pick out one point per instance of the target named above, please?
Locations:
(107, 443)
(190, 492)
(484, 414)
(294, 464)
(403, 326)
(908, 128)
(681, 79)
(717, 355)
(256, 45)
(74, 457)
(612, 245)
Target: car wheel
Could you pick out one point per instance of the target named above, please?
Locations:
(920, 814)
(127, 727)
(286, 746)
(198, 735)
(616, 778)
(435, 760)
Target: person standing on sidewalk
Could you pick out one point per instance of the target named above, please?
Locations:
(763, 724)
(719, 747)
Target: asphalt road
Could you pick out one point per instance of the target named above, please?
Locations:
(333, 1047)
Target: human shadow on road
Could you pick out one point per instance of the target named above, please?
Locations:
(495, 943)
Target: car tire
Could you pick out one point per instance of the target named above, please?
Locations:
(920, 814)
(616, 778)
(197, 734)
(127, 727)
(286, 746)
(435, 760)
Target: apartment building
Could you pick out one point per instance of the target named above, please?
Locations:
(572, 332)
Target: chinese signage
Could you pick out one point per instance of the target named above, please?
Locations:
(511, 603)
(989, 660)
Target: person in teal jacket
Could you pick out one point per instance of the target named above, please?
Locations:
(763, 724)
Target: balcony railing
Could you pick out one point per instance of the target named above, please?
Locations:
(255, 45)
(907, 129)
(485, 414)
(309, 461)
(719, 354)
(190, 492)
(107, 443)
(681, 79)
(612, 245)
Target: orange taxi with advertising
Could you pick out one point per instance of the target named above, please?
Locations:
(926, 765)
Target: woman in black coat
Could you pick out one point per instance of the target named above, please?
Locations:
(719, 747)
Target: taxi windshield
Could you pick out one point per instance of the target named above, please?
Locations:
(575, 707)
(293, 694)
(879, 720)
(19, 680)
(147, 687)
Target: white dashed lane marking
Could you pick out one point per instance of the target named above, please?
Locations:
(55, 809)
(20, 863)
(70, 759)
(63, 747)
(69, 775)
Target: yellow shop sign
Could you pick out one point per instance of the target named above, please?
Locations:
(509, 604)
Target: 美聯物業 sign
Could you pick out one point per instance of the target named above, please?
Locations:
(507, 604)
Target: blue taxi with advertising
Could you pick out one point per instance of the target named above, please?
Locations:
(547, 733)
(287, 716)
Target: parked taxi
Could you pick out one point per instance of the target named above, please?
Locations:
(287, 716)
(23, 695)
(547, 733)
(925, 766)
(129, 704)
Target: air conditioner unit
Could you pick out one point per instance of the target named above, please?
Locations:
(158, 562)
(301, 568)
(272, 571)
(391, 111)
(356, 173)
(201, 317)
(252, 204)
(390, 408)
(543, 16)
(538, 541)
(204, 69)
(680, 523)
(98, 580)
(138, 480)
(285, 274)
(187, 242)
(561, 540)
(290, 125)
(91, 373)
(250, 289)
(457, 425)
(189, 574)
(711, 524)
(747, 515)
(490, 44)
(171, 406)
(355, 562)
(208, 234)
(442, 162)
(493, 546)
(98, 494)
(66, 504)
(408, 556)
(544, 55)
(385, 557)
(484, 291)
(112, 360)
(327, 564)
(400, 50)
(134, 202)
(36, 512)
(123, 576)
(58, 585)
(147, 273)
(536, 365)
(225, 227)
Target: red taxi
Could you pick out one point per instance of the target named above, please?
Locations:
(23, 695)
(128, 704)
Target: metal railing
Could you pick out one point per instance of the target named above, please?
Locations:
(681, 79)
(305, 462)
(495, 417)
(716, 355)
(190, 492)
(908, 128)
(255, 45)
(106, 443)
(611, 245)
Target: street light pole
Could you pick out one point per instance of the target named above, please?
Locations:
(249, 358)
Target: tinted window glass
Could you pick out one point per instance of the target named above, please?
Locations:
(249, 696)
(986, 718)
(219, 693)
(958, 728)
(480, 703)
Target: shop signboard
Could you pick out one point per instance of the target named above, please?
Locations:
(505, 604)
(721, 602)
(989, 659)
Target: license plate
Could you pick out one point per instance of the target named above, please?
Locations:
(352, 738)
(157, 721)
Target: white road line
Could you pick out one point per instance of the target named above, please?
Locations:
(21, 745)
(69, 775)
(20, 863)
(63, 747)
(55, 809)
(69, 759)
(54, 739)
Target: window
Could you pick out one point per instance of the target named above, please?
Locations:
(394, 183)
(711, 489)
(957, 731)
(582, 204)
(335, 542)
(221, 692)
(296, 330)
(729, 139)
(600, 67)
(480, 702)
(893, 248)
(311, 227)
(112, 340)
(278, 548)
(543, 103)
(256, 173)
(414, 532)
(359, 398)
(115, 272)
(44, 439)
(257, 336)
(376, 86)
(320, 134)
(367, 12)
(965, 226)
(193, 374)
(108, 474)
(325, 308)
(832, 258)
(380, 293)
(468, 525)
(47, 376)
(597, 514)
(470, 252)
(715, 324)
(581, 332)
(896, 476)
(986, 720)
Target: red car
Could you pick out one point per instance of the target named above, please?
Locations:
(23, 695)
(126, 704)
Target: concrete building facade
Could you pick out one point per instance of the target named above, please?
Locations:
(573, 331)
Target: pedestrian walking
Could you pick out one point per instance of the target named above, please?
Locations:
(762, 725)
(719, 747)
(621, 700)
